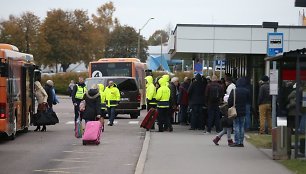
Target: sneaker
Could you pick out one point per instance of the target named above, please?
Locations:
(110, 124)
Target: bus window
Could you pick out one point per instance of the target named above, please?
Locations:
(113, 69)
(3, 70)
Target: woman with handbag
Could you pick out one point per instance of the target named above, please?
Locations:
(239, 99)
(226, 123)
(41, 97)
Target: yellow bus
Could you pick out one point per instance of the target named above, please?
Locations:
(127, 67)
(17, 74)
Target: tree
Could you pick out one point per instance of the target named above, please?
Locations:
(156, 37)
(66, 34)
(11, 32)
(123, 42)
(22, 32)
(104, 22)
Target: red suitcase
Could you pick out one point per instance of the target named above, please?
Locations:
(150, 118)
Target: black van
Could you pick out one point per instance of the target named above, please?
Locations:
(129, 92)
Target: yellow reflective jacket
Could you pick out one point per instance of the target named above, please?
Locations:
(112, 95)
(80, 92)
(102, 96)
(163, 94)
(150, 91)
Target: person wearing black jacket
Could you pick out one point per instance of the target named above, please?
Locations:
(77, 96)
(93, 105)
(264, 102)
(196, 93)
(214, 93)
(174, 90)
(242, 97)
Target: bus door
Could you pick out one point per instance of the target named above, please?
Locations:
(26, 93)
(13, 99)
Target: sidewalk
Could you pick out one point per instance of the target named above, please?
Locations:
(184, 151)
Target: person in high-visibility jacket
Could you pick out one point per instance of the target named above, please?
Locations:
(77, 96)
(170, 110)
(163, 97)
(103, 104)
(112, 95)
(150, 95)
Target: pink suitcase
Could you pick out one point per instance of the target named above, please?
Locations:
(92, 133)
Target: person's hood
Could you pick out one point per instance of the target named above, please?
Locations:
(241, 82)
(149, 79)
(92, 93)
(101, 87)
(163, 81)
(198, 77)
(166, 77)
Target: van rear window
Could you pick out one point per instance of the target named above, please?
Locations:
(126, 84)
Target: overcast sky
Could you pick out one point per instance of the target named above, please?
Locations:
(135, 13)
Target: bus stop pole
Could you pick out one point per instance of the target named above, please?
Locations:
(274, 103)
(274, 97)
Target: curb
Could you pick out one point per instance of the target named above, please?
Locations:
(143, 154)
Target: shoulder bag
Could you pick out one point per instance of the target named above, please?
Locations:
(232, 112)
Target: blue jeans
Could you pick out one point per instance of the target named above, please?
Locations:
(226, 131)
(247, 116)
(214, 118)
(239, 129)
(111, 114)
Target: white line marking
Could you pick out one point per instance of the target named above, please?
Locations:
(133, 122)
(70, 122)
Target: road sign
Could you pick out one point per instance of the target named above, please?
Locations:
(275, 43)
(96, 74)
(198, 68)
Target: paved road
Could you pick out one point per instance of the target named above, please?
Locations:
(58, 151)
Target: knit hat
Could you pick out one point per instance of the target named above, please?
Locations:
(265, 78)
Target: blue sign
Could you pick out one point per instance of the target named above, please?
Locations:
(198, 68)
(275, 43)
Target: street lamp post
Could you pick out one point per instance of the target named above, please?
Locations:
(138, 47)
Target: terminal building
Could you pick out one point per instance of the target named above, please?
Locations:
(243, 47)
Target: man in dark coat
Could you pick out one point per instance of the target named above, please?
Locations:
(214, 94)
(264, 102)
(77, 96)
(196, 93)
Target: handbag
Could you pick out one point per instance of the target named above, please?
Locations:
(232, 112)
(48, 117)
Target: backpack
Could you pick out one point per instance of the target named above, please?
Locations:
(214, 93)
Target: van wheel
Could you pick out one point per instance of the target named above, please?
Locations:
(134, 116)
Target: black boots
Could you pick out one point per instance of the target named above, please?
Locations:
(37, 129)
(44, 129)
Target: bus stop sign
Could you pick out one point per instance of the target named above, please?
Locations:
(275, 43)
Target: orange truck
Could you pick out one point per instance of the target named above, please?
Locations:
(17, 102)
